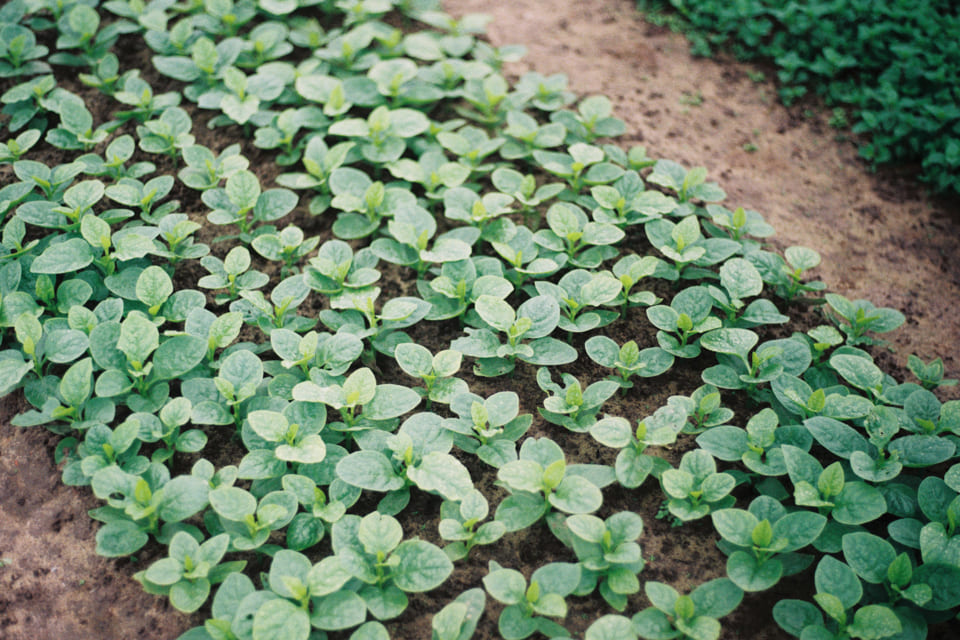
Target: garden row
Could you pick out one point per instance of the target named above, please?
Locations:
(260, 439)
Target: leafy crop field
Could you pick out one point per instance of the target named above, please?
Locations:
(353, 334)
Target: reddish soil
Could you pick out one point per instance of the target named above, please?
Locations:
(880, 237)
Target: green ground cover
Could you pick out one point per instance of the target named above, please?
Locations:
(892, 63)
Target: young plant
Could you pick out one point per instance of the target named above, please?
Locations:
(436, 371)
(14, 148)
(525, 135)
(486, 213)
(113, 162)
(187, 574)
(460, 524)
(361, 318)
(688, 185)
(361, 402)
(681, 324)
(522, 255)
(524, 190)
(683, 244)
(738, 223)
(166, 428)
(145, 196)
(233, 273)
(337, 268)
(930, 374)
(471, 146)
(628, 360)
(582, 165)
(693, 617)
(593, 119)
(572, 406)
(136, 504)
(280, 311)
(418, 455)
(76, 123)
(459, 285)
(786, 274)
(371, 551)
(695, 489)
(321, 355)
(533, 320)
(527, 604)
(627, 202)
(363, 203)
(20, 55)
(739, 368)
(249, 522)
(630, 270)
(176, 232)
(739, 280)
(383, 136)
(241, 202)
(608, 554)
(855, 319)
(277, 439)
(578, 291)
(839, 592)
(540, 480)
(287, 246)
(757, 446)
(573, 238)
(761, 543)
(309, 526)
(408, 244)
(488, 428)
(633, 466)
(136, 93)
(168, 134)
(319, 161)
(205, 170)
(827, 490)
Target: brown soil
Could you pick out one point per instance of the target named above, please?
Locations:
(880, 237)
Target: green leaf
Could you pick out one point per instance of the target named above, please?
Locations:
(120, 538)
(751, 575)
(177, 356)
(281, 620)
(422, 566)
(340, 610)
(391, 401)
(69, 256)
(868, 555)
(874, 622)
(369, 470)
(495, 312)
(837, 578)
(154, 286)
(77, 383)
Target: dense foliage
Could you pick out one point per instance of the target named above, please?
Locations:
(894, 63)
(508, 221)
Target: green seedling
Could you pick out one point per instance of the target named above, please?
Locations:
(533, 320)
(529, 606)
(488, 428)
(571, 406)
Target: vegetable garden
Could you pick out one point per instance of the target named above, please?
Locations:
(352, 334)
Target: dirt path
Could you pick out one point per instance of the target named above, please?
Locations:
(880, 239)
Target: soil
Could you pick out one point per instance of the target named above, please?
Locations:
(880, 236)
